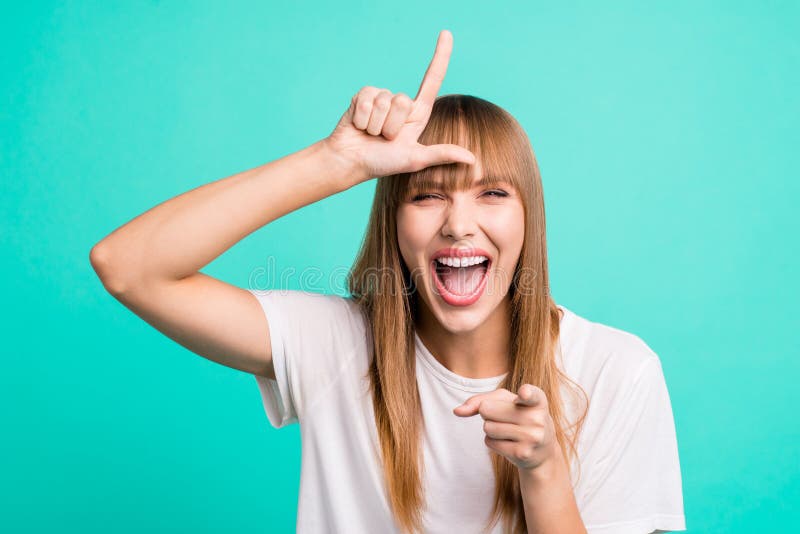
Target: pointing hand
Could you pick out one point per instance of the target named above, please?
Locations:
(517, 426)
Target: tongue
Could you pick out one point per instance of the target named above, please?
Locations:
(461, 280)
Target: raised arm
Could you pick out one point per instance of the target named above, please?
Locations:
(151, 264)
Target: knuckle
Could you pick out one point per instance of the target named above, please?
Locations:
(523, 453)
(364, 105)
(383, 100)
(402, 100)
(533, 435)
(541, 418)
(532, 419)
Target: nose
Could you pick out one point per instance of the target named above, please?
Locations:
(460, 221)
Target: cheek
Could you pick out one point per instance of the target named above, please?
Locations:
(507, 232)
(507, 227)
(410, 236)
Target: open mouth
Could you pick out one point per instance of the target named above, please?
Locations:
(460, 281)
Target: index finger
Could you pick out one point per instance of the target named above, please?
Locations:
(471, 405)
(432, 80)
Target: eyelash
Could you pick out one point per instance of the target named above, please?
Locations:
(424, 196)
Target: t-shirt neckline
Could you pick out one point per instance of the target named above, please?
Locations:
(449, 378)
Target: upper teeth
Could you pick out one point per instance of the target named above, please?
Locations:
(462, 262)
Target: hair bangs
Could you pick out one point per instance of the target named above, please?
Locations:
(487, 131)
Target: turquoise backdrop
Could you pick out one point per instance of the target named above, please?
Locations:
(667, 136)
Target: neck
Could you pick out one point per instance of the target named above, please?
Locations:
(479, 353)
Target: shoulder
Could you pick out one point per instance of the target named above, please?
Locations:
(598, 352)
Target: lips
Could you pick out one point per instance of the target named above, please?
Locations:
(460, 277)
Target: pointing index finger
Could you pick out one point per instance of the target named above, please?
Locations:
(434, 76)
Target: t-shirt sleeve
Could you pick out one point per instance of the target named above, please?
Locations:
(634, 485)
(312, 338)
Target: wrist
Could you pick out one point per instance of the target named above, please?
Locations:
(347, 169)
(549, 470)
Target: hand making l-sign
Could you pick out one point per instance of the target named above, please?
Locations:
(379, 131)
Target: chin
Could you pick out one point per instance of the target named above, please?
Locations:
(459, 319)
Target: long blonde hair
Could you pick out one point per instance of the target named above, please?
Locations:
(381, 284)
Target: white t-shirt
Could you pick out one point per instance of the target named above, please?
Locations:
(630, 480)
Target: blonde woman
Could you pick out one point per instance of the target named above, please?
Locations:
(448, 393)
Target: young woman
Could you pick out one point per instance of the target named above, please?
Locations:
(449, 391)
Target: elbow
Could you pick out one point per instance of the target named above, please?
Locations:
(101, 259)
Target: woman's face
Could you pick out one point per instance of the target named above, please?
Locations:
(483, 224)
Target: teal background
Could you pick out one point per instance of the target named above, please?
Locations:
(667, 136)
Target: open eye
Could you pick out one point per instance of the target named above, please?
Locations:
(498, 193)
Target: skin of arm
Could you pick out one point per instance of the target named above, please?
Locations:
(176, 238)
(376, 136)
(151, 264)
(548, 498)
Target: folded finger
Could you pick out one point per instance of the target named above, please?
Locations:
(380, 108)
(498, 430)
(503, 411)
(398, 113)
(363, 106)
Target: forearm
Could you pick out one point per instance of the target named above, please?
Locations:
(549, 501)
(180, 236)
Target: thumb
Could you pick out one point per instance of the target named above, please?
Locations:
(430, 155)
